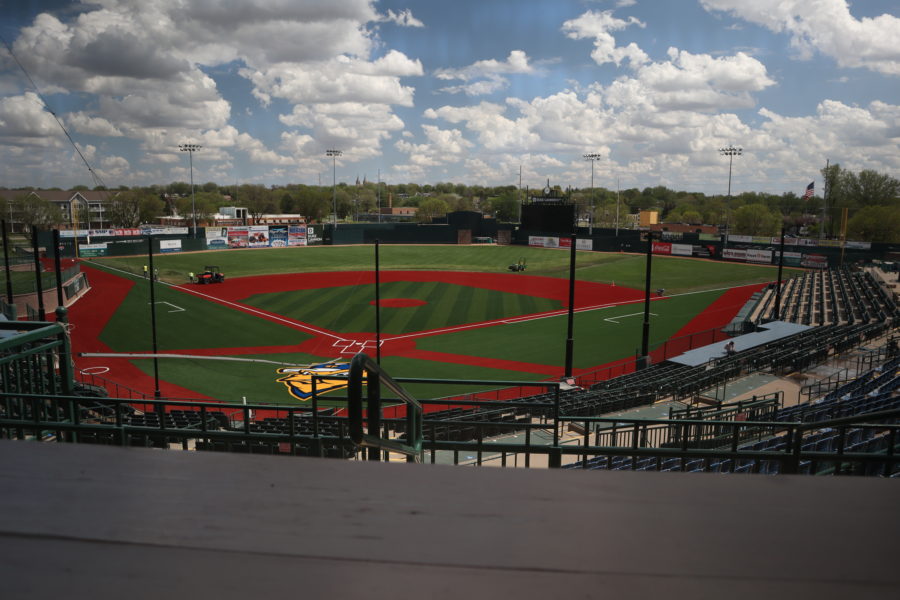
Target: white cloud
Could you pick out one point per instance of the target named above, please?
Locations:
(144, 62)
(442, 146)
(356, 128)
(598, 25)
(826, 26)
(24, 120)
(83, 123)
(485, 76)
(404, 18)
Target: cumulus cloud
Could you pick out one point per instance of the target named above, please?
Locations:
(599, 25)
(404, 18)
(24, 120)
(485, 76)
(442, 146)
(147, 64)
(827, 27)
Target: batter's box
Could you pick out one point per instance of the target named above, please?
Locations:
(351, 347)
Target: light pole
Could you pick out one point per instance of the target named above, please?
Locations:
(592, 156)
(730, 152)
(334, 154)
(190, 149)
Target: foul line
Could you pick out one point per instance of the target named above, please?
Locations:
(613, 319)
(241, 307)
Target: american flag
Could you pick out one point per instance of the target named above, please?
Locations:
(809, 190)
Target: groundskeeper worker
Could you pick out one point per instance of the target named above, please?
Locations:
(146, 271)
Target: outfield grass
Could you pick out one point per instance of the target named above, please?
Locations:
(348, 309)
(597, 340)
(674, 274)
(184, 321)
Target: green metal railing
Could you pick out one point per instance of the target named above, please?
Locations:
(37, 359)
(362, 365)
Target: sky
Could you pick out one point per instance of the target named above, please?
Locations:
(474, 92)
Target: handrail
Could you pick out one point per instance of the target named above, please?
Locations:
(375, 377)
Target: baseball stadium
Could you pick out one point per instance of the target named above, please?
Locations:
(543, 357)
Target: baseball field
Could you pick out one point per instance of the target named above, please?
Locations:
(445, 312)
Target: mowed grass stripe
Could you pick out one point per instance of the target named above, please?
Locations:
(441, 301)
(460, 307)
(328, 304)
(415, 318)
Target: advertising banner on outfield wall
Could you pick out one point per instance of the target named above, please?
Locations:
(216, 238)
(734, 254)
(165, 230)
(791, 259)
(100, 233)
(565, 242)
(258, 236)
(89, 250)
(814, 261)
(314, 234)
(682, 249)
(662, 248)
(703, 251)
(584, 244)
(278, 236)
(551, 242)
(238, 237)
(296, 235)
(759, 256)
(536, 240)
(170, 245)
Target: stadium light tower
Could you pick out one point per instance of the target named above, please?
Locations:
(730, 152)
(592, 156)
(334, 154)
(190, 149)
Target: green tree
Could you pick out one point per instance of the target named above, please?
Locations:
(870, 188)
(257, 199)
(505, 207)
(875, 224)
(36, 213)
(312, 202)
(431, 207)
(693, 217)
(202, 207)
(755, 219)
(132, 207)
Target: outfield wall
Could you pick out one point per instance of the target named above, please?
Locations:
(461, 228)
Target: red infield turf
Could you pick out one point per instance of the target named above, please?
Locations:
(92, 312)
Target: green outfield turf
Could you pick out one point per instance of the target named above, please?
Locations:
(674, 274)
(349, 309)
(601, 336)
(184, 321)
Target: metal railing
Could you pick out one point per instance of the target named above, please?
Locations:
(362, 365)
(37, 359)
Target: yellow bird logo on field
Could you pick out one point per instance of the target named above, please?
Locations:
(299, 379)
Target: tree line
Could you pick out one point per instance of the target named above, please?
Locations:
(872, 201)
